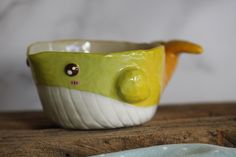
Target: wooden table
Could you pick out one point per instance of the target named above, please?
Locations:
(32, 134)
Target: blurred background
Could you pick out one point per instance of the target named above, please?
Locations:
(211, 23)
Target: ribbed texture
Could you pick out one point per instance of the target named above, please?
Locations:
(84, 110)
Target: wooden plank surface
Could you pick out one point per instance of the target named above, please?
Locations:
(32, 134)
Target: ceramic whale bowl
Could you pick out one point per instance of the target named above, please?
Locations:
(87, 84)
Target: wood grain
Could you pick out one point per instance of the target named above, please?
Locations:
(32, 134)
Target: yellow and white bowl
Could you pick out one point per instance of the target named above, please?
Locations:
(86, 84)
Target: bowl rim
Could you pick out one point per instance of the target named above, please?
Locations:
(131, 46)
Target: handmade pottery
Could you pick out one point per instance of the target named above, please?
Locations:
(86, 84)
(176, 150)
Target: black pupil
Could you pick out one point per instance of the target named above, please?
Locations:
(71, 69)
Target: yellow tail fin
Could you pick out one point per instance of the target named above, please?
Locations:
(173, 49)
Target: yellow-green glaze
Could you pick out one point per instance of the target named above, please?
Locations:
(134, 76)
(133, 85)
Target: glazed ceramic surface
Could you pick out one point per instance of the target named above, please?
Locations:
(176, 150)
(102, 84)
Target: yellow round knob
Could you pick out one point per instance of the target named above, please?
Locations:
(133, 86)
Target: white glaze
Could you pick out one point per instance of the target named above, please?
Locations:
(85, 110)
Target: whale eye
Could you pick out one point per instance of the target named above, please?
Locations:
(71, 69)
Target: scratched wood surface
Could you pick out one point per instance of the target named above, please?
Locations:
(32, 134)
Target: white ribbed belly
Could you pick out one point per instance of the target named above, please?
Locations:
(85, 110)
